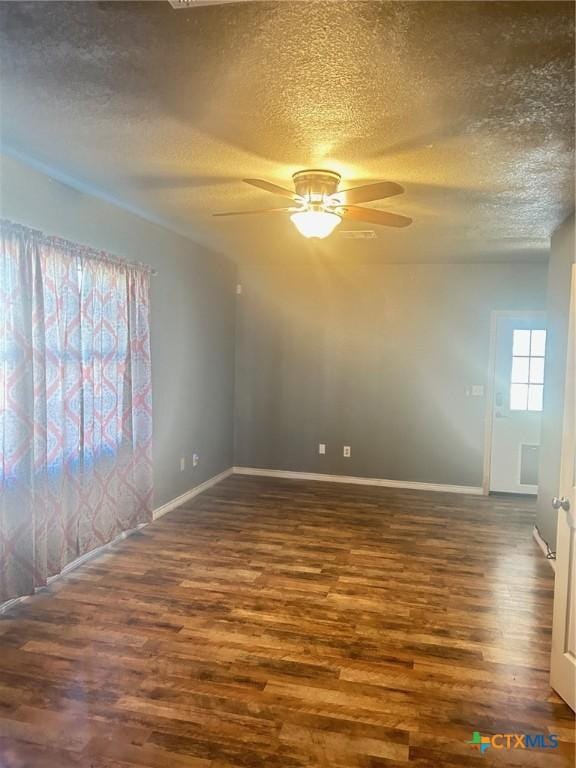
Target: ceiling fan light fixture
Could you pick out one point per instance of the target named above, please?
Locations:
(317, 224)
(318, 207)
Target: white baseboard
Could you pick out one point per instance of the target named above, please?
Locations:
(179, 500)
(543, 546)
(405, 484)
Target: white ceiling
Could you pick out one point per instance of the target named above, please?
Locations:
(469, 105)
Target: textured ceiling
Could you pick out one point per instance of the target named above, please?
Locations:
(469, 105)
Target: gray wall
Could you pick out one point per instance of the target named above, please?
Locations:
(562, 256)
(373, 356)
(192, 319)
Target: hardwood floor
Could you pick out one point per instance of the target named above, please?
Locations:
(286, 624)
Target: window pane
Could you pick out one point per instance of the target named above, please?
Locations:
(535, 397)
(538, 343)
(520, 370)
(521, 343)
(536, 370)
(518, 397)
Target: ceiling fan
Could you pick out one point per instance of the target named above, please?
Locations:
(319, 207)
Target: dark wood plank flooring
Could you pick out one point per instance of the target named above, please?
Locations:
(286, 624)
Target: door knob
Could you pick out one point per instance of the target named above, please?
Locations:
(561, 503)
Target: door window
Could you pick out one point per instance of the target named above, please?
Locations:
(527, 377)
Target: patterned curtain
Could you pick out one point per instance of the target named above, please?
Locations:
(75, 404)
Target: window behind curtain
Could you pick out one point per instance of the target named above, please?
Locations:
(75, 403)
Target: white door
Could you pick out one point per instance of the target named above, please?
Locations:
(563, 662)
(520, 347)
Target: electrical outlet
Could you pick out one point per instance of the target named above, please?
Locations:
(347, 452)
(195, 459)
(182, 464)
(322, 448)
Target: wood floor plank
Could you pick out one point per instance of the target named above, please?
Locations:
(287, 624)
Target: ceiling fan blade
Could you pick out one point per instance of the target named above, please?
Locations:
(373, 216)
(269, 187)
(369, 192)
(256, 210)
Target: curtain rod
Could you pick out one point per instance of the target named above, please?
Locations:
(86, 250)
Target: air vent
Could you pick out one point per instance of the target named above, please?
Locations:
(183, 4)
(529, 460)
(357, 234)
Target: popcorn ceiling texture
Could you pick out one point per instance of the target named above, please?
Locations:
(469, 105)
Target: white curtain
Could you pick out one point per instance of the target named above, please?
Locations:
(75, 404)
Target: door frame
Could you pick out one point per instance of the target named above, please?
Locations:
(562, 672)
(495, 316)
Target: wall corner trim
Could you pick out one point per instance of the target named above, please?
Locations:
(183, 498)
(404, 484)
(543, 546)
